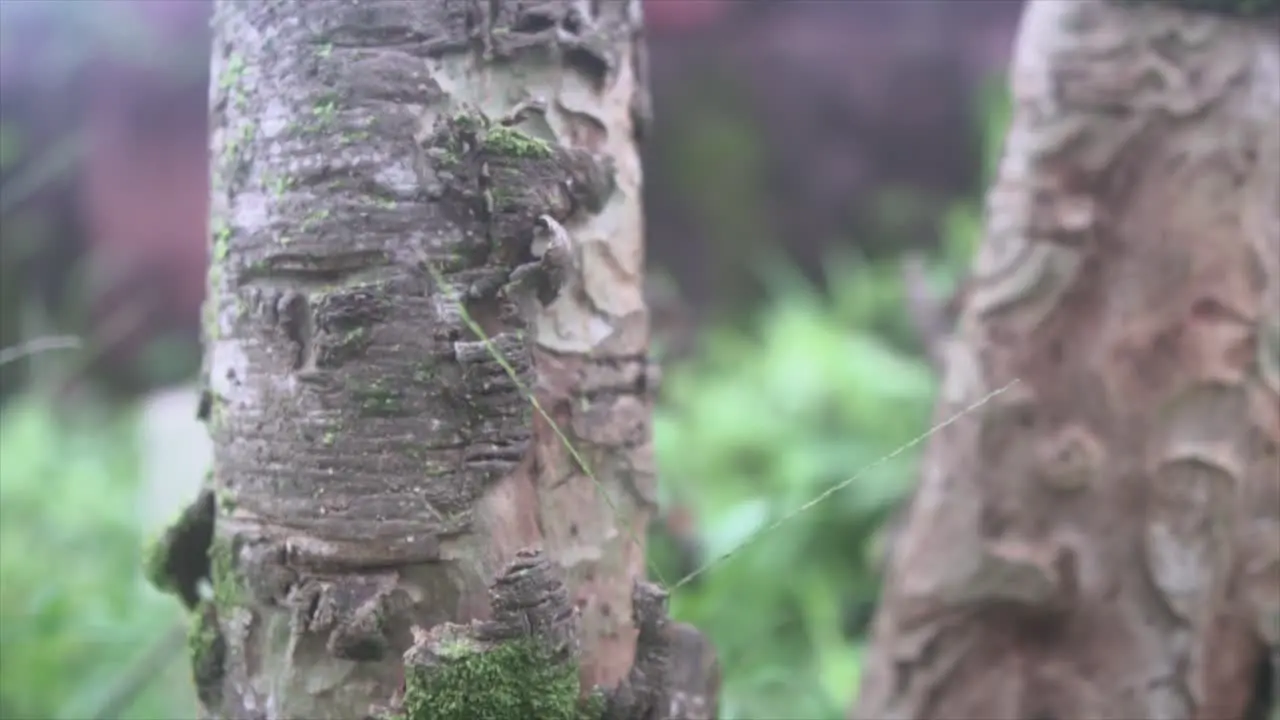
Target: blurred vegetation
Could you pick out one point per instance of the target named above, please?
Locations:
(75, 611)
(817, 397)
(817, 393)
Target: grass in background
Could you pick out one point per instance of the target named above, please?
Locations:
(764, 420)
(752, 430)
(75, 611)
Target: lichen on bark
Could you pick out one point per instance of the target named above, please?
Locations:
(1103, 540)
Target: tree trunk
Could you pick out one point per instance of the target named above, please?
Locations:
(425, 214)
(1102, 540)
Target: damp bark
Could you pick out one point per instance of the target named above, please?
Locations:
(424, 216)
(1103, 539)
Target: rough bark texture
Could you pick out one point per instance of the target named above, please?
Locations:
(412, 200)
(531, 646)
(1103, 540)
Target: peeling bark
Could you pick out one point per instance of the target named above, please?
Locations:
(421, 213)
(1103, 541)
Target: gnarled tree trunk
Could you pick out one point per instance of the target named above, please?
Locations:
(1102, 540)
(424, 215)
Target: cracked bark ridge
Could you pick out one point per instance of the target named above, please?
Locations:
(520, 663)
(530, 599)
(639, 696)
(675, 674)
(1103, 540)
(693, 676)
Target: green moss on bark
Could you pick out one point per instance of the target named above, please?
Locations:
(208, 654)
(501, 140)
(511, 681)
(178, 560)
(222, 574)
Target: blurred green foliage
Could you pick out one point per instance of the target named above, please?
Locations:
(820, 396)
(823, 394)
(75, 611)
(755, 430)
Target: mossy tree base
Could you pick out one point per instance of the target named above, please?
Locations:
(524, 662)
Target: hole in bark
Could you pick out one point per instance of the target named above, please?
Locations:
(1209, 309)
(1068, 569)
(856, 617)
(533, 23)
(362, 649)
(205, 407)
(298, 323)
(310, 607)
(573, 530)
(605, 610)
(1055, 352)
(1269, 449)
(901, 676)
(487, 313)
(589, 63)
(991, 523)
(572, 22)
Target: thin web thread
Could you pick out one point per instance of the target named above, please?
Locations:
(836, 488)
(475, 328)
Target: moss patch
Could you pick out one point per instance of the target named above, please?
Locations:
(179, 559)
(502, 140)
(500, 180)
(516, 680)
(208, 655)
(226, 587)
